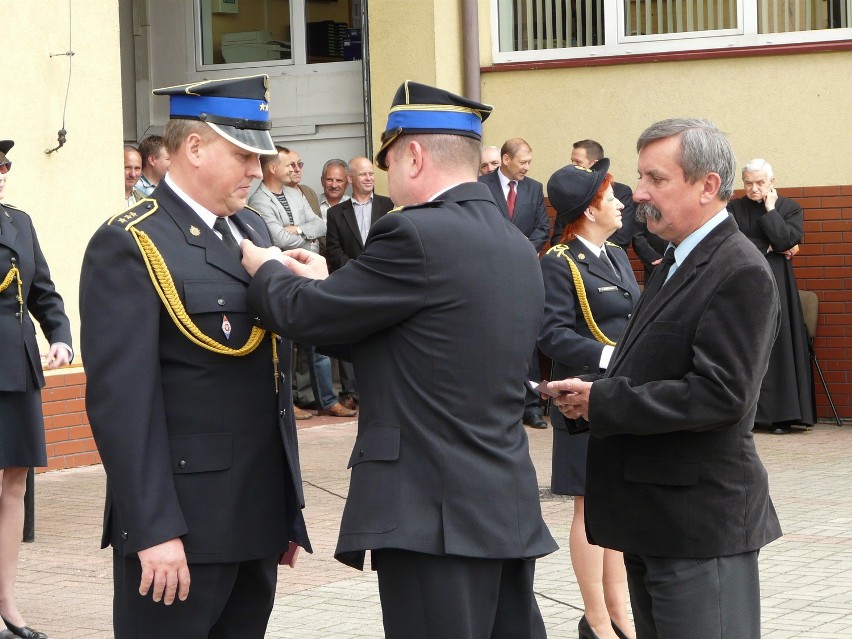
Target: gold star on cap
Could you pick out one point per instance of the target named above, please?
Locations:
(194, 230)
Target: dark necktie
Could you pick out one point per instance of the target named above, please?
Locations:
(221, 225)
(605, 259)
(510, 199)
(658, 277)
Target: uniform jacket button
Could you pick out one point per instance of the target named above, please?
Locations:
(220, 302)
(629, 315)
(124, 535)
(182, 463)
(18, 315)
(281, 413)
(361, 453)
(627, 295)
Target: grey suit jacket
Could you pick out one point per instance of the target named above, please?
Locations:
(672, 466)
(266, 203)
(530, 213)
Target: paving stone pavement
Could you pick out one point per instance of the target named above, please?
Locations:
(64, 580)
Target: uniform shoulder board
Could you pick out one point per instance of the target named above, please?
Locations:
(557, 248)
(253, 210)
(431, 204)
(135, 214)
(613, 245)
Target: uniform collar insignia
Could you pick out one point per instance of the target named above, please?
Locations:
(194, 230)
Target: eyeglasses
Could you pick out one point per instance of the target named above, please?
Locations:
(5, 168)
(297, 165)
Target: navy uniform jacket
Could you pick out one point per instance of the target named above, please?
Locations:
(195, 444)
(565, 337)
(672, 466)
(441, 312)
(19, 354)
(530, 214)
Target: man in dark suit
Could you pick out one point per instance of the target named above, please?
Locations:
(521, 200)
(349, 221)
(439, 326)
(188, 403)
(674, 480)
(349, 224)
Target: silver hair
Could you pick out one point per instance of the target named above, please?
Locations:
(703, 149)
(759, 164)
(334, 162)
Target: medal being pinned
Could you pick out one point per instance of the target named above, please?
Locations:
(226, 326)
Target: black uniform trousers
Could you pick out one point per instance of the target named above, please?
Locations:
(226, 601)
(724, 596)
(444, 596)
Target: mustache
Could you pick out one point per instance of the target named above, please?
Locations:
(646, 211)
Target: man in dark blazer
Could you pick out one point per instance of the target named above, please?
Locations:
(349, 224)
(186, 395)
(521, 201)
(344, 239)
(674, 480)
(439, 326)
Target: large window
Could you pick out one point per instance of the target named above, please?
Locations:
(531, 30)
(247, 32)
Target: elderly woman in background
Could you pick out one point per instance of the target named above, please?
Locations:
(774, 225)
(590, 293)
(25, 287)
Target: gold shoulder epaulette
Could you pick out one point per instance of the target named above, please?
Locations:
(613, 244)
(557, 248)
(420, 205)
(135, 214)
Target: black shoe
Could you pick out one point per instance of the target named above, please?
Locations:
(25, 632)
(535, 420)
(585, 629)
(781, 429)
(617, 630)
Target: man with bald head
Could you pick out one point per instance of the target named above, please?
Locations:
(489, 160)
(349, 225)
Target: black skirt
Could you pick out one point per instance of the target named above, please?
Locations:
(22, 428)
(568, 466)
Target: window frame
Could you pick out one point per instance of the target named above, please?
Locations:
(618, 45)
(298, 45)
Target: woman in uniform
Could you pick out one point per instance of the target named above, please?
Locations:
(25, 288)
(590, 293)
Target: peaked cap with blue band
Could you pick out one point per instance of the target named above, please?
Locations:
(419, 108)
(572, 188)
(236, 108)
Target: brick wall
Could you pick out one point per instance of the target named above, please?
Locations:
(66, 426)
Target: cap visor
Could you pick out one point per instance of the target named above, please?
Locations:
(252, 140)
